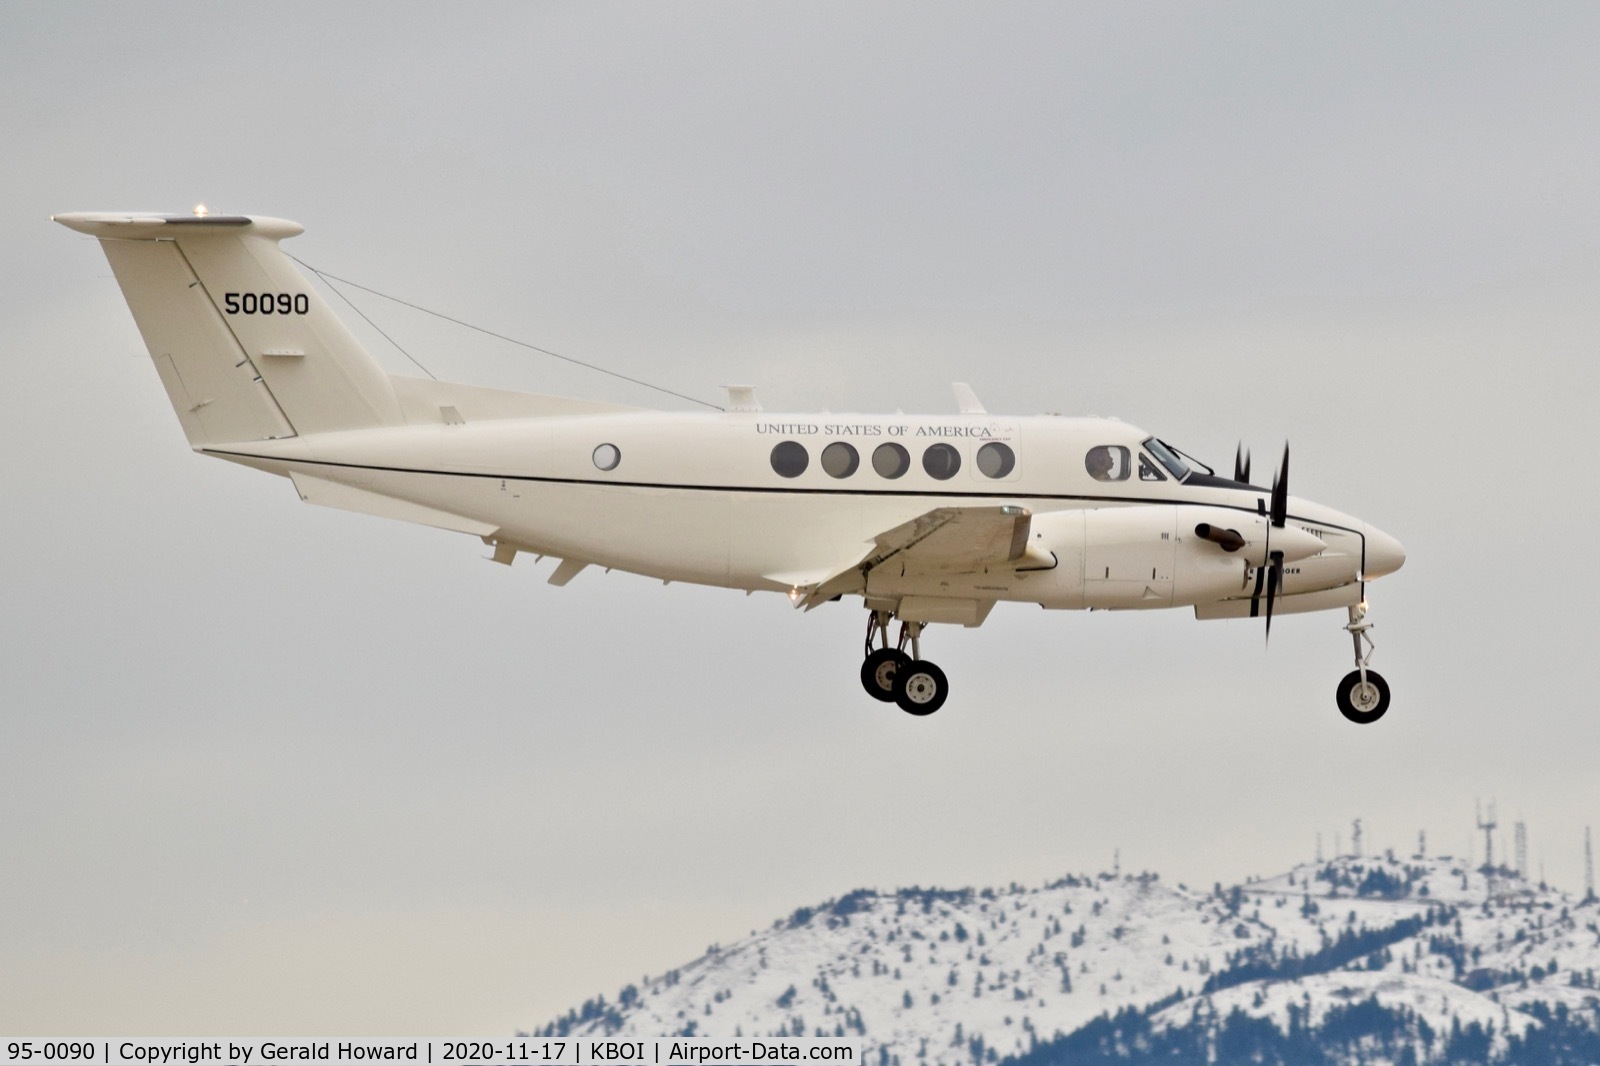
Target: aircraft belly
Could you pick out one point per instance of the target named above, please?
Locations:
(673, 534)
(800, 534)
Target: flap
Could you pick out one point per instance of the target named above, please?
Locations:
(945, 540)
(958, 539)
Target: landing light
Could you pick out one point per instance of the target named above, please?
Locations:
(794, 595)
(201, 211)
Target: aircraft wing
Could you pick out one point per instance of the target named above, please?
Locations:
(945, 540)
(957, 539)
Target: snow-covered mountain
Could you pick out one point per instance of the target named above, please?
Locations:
(1429, 951)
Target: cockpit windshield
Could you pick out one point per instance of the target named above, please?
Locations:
(1167, 456)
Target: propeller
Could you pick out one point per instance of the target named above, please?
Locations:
(1277, 516)
(1241, 465)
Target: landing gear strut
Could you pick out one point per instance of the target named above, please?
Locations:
(1363, 695)
(918, 687)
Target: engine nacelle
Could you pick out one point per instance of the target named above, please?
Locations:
(1151, 556)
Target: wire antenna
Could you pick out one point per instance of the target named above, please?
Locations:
(415, 362)
(328, 279)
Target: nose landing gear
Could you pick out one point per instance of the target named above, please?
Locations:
(918, 687)
(1363, 695)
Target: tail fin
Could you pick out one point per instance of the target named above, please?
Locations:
(246, 348)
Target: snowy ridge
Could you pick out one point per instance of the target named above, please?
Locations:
(943, 976)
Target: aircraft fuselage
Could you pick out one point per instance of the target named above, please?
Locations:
(698, 498)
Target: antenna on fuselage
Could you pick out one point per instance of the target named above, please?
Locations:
(967, 401)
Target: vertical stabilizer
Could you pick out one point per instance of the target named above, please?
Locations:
(246, 348)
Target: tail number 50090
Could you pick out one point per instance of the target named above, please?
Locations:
(266, 303)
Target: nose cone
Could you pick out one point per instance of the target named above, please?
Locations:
(1384, 554)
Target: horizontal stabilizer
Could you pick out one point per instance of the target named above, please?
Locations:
(348, 498)
(144, 226)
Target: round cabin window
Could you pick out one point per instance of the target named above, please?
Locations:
(891, 461)
(789, 458)
(941, 461)
(996, 460)
(840, 459)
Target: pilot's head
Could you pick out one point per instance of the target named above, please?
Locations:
(1098, 462)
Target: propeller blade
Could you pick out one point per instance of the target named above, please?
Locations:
(1274, 579)
(1279, 512)
(1241, 465)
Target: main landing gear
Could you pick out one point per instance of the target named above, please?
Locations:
(1363, 695)
(890, 675)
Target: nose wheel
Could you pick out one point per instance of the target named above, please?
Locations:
(889, 674)
(1363, 695)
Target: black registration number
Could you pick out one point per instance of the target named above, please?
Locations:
(266, 303)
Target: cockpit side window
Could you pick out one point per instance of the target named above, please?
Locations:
(1108, 462)
(1168, 458)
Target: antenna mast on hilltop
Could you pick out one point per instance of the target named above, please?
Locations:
(1521, 830)
(1355, 838)
(1422, 843)
(1488, 837)
(1319, 848)
(1588, 867)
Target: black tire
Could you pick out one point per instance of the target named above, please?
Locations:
(1363, 706)
(920, 687)
(879, 670)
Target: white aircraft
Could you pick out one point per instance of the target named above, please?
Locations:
(927, 518)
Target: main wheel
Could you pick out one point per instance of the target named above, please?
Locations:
(920, 687)
(878, 673)
(1363, 703)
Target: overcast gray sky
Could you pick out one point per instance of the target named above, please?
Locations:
(273, 769)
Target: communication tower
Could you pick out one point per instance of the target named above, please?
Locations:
(1319, 847)
(1355, 838)
(1488, 828)
(1521, 831)
(1422, 843)
(1588, 867)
